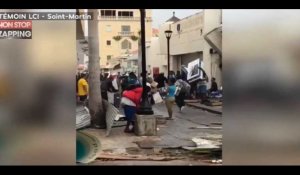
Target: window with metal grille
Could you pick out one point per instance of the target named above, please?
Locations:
(125, 14)
(108, 12)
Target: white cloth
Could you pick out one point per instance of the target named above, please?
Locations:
(115, 84)
(157, 98)
(126, 101)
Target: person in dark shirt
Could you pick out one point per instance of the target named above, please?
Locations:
(103, 86)
(214, 85)
(178, 75)
(161, 80)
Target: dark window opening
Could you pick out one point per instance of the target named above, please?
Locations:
(125, 14)
(108, 42)
(108, 13)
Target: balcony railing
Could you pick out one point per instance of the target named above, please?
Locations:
(122, 18)
(126, 33)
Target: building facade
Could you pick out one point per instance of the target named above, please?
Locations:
(156, 61)
(119, 31)
(82, 43)
(195, 37)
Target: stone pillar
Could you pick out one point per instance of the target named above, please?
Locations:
(145, 125)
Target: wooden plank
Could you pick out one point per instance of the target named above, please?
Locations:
(135, 157)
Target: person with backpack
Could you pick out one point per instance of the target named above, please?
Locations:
(182, 90)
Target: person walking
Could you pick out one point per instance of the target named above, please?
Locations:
(178, 75)
(182, 91)
(161, 80)
(170, 99)
(83, 87)
(131, 99)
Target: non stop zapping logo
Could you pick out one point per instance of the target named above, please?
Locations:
(15, 29)
(19, 25)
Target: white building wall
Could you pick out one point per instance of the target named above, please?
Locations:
(187, 37)
(154, 57)
(211, 21)
(187, 42)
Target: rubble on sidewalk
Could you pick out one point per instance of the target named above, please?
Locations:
(107, 156)
(169, 143)
(206, 127)
(203, 144)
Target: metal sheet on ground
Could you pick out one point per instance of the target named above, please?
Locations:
(83, 118)
(111, 113)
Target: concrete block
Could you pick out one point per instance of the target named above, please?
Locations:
(145, 125)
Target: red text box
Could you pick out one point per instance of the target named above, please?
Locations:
(15, 24)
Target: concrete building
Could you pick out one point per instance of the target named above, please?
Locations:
(119, 33)
(156, 61)
(82, 43)
(195, 37)
(118, 37)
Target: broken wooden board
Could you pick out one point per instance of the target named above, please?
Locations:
(213, 103)
(136, 157)
(206, 127)
(216, 123)
(191, 101)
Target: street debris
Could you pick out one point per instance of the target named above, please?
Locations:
(216, 123)
(147, 143)
(105, 156)
(203, 144)
(217, 161)
(83, 117)
(112, 113)
(192, 101)
(206, 127)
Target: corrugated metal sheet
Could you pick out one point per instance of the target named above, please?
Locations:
(83, 118)
(111, 113)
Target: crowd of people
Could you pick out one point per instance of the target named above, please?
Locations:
(174, 89)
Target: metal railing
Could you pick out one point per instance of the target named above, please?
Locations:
(122, 18)
(126, 33)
